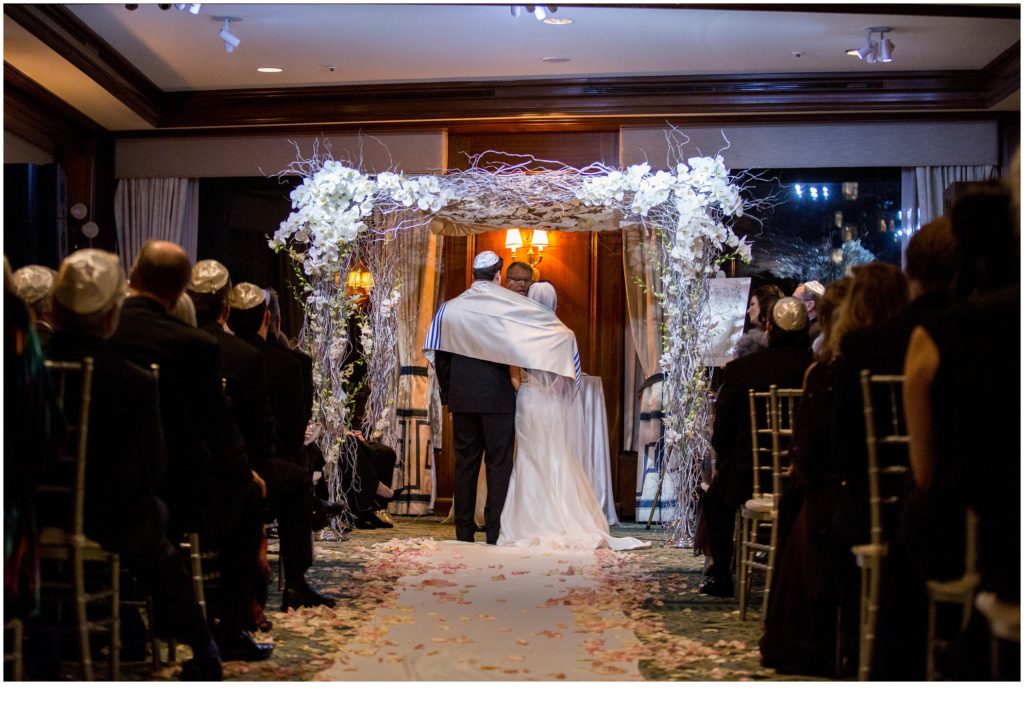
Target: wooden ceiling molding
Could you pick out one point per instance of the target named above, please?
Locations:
(63, 32)
(40, 117)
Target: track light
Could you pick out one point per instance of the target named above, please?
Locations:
(229, 39)
(875, 51)
(885, 49)
(539, 11)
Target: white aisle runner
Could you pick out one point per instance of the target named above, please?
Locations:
(477, 612)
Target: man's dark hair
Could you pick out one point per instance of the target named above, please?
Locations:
(247, 321)
(489, 272)
(163, 270)
(209, 305)
(931, 256)
(520, 264)
(274, 305)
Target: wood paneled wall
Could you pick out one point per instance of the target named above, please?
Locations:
(585, 268)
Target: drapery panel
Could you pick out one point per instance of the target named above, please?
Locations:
(419, 258)
(640, 251)
(156, 208)
(924, 188)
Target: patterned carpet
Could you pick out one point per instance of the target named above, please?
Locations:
(683, 635)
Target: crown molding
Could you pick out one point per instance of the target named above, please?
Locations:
(67, 35)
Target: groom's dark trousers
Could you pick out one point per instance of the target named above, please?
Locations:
(480, 396)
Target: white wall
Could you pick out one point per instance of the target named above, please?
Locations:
(239, 156)
(888, 144)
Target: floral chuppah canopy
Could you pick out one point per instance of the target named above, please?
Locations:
(342, 216)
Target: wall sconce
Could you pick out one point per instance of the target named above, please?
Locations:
(359, 281)
(538, 239)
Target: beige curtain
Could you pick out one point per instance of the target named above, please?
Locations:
(924, 188)
(640, 258)
(419, 261)
(156, 208)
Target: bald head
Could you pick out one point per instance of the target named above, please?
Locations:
(161, 271)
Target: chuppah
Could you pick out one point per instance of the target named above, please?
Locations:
(342, 216)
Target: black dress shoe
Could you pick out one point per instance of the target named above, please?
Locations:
(306, 596)
(364, 522)
(204, 669)
(244, 647)
(713, 586)
(395, 495)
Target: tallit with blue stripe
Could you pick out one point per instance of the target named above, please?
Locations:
(489, 322)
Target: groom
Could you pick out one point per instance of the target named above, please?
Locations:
(471, 342)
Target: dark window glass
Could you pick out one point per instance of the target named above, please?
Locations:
(822, 221)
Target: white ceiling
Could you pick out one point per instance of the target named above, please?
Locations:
(392, 43)
(370, 43)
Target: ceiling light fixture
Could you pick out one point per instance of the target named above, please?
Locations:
(558, 20)
(231, 41)
(873, 51)
(191, 7)
(269, 69)
(541, 12)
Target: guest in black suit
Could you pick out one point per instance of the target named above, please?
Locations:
(277, 339)
(209, 486)
(482, 400)
(126, 454)
(783, 364)
(289, 487)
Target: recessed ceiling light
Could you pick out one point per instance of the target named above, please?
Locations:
(268, 69)
(555, 59)
(852, 52)
(558, 20)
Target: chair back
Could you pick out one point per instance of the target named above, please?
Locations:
(888, 449)
(63, 492)
(783, 403)
(761, 442)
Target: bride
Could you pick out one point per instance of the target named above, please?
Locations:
(550, 501)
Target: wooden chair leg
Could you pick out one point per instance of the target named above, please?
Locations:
(81, 617)
(772, 543)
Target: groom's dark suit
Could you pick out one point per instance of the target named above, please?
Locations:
(482, 401)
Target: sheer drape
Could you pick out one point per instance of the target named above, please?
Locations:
(639, 257)
(419, 261)
(923, 189)
(156, 208)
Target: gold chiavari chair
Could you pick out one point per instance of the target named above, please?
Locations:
(65, 551)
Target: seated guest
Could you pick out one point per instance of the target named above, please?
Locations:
(126, 455)
(34, 285)
(961, 365)
(289, 489)
(250, 321)
(209, 486)
(277, 339)
(755, 324)
(783, 364)
(800, 621)
(810, 293)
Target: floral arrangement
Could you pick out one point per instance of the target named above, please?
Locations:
(341, 215)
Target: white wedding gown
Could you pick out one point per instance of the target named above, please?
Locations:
(550, 501)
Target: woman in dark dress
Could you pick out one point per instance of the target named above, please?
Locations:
(815, 567)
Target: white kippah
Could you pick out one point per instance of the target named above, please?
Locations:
(209, 276)
(246, 295)
(789, 314)
(485, 259)
(815, 287)
(89, 281)
(33, 282)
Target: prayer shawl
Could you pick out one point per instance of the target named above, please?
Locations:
(488, 322)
